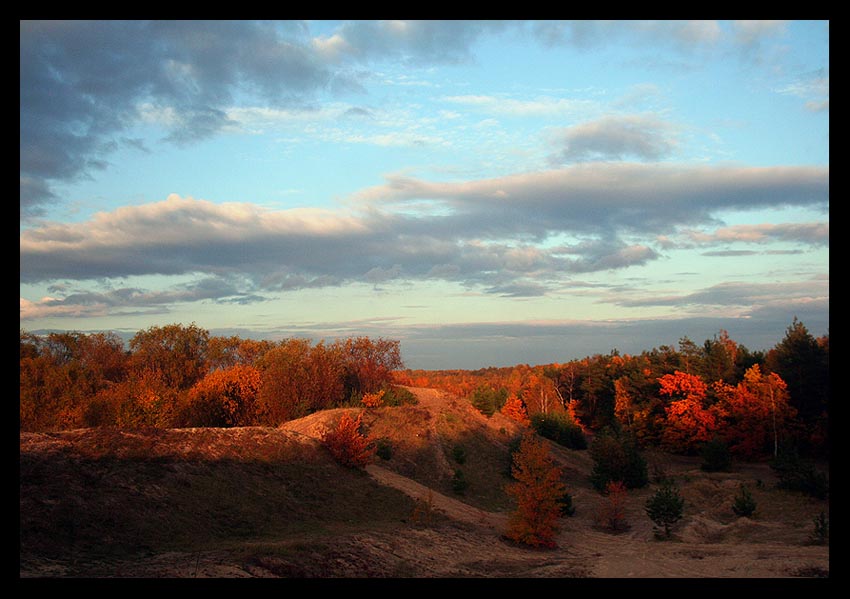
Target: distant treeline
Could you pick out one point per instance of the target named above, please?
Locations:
(180, 376)
(674, 398)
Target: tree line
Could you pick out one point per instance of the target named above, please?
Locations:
(675, 398)
(181, 376)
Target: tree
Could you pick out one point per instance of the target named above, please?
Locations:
(176, 352)
(616, 458)
(612, 515)
(538, 491)
(514, 409)
(744, 504)
(224, 397)
(347, 444)
(665, 508)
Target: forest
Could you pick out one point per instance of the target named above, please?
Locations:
(675, 398)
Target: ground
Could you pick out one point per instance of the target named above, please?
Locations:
(268, 502)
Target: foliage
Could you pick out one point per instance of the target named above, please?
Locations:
(611, 514)
(566, 503)
(459, 454)
(744, 504)
(617, 458)
(488, 401)
(715, 456)
(384, 448)
(514, 409)
(538, 490)
(459, 482)
(223, 398)
(395, 396)
(820, 535)
(688, 423)
(347, 444)
(373, 400)
(665, 508)
(560, 428)
(797, 474)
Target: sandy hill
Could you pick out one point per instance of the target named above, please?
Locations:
(270, 502)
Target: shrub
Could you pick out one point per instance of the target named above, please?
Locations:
(384, 448)
(566, 503)
(820, 536)
(795, 474)
(459, 454)
(716, 456)
(373, 400)
(398, 396)
(665, 508)
(616, 458)
(560, 428)
(611, 515)
(347, 444)
(744, 504)
(459, 483)
(488, 401)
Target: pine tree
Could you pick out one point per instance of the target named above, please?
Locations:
(665, 508)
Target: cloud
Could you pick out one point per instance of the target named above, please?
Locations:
(541, 106)
(616, 138)
(484, 231)
(816, 234)
(82, 83)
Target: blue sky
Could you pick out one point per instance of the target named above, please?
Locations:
(486, 192)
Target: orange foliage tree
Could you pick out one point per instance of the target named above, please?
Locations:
(514, 409)
(538, 490)
(347, 444)
(756, 413)
(611, 514)
(689, 422)
(224, 397)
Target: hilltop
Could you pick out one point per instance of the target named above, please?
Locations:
(270, 502)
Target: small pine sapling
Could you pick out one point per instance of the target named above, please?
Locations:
(665, 508)
(744, 504)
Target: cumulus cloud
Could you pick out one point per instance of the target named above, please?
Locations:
(644, 137)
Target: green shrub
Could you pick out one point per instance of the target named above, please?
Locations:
(616, 458)
(398, 396)
(744, 504)
(384, 448)
(488, 401)
(665, 508)
(566, 503)
(716, 456)
(820, 536)
(560, 428)
(795, 474)
(459, 454)
(459, 483)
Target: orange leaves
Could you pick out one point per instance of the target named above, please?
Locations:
(373, 400)
(226, 397)
(611, 513)
(538, 490)
(515, 410)
(347, 444)
(681, 385)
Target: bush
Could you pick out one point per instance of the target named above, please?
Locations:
(347, 444)
(795, 474)
(665, 508)
(566, 503)
(744, 504)
(716, 456)
(384, 448)
(617, 458)
(820, 536)
(488, 401)
(611, 515)
(398, 396)
(459, 454)
(560, 428)
(459, 483)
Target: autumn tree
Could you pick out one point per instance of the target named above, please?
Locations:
(370, 363)
(611, 512)
(223, 398)
(756, 413)
(347, 444)
(538, 490)
(514, 409)
(176, 352)
(689, 422)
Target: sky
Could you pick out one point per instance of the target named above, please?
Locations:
(488, 193)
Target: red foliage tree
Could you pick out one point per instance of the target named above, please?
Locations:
(611, 514)
(689, 422)
(347, 444)
(538, 490)
(224, 397)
